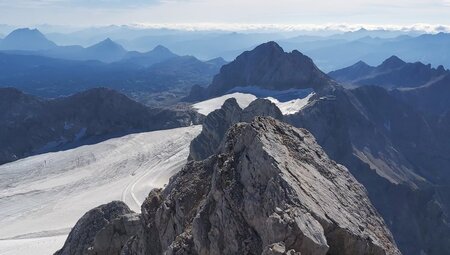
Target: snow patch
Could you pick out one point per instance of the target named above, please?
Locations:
(208, 106)
(293, 106)
(287, 107)
(44, 245)
(280, 95)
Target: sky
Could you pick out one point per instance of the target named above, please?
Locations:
(236, 13)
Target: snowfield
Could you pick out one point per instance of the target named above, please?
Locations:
(292, 106)
(244, 99)
(208, 106)
(42, 197)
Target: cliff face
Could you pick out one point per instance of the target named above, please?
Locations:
(396, 152)
(270, 189)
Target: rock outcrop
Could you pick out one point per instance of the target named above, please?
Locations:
(219, 121)
(270, 189)
(93, 227)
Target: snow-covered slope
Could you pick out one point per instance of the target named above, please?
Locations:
(207, 106)
(44, 195)
(244, 99)
(292, 106)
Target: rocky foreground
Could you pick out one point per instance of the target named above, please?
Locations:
(269, 189)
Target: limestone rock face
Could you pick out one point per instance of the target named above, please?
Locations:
(214, 127)
(271, 189)
(111, 239)
(219, 121)
(268, 66)
(81, 238)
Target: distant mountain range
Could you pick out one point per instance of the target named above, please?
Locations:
(392, 73)
(156, 77)
(425, 88)
(32, 42)
(330, 52)
(31, 125)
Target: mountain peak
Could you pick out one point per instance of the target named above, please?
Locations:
(106, 51)
(361, 63)
(160, 48)
(25, 30)
(269, 47)
(108, 42)
(269, 66)
(392, 62)
(26, 39)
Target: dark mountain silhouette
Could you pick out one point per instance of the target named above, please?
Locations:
(106, 51)
(26, 39)
(218, 61)
(269, 67)
(392, 73)
(157, 55)
(30, 125)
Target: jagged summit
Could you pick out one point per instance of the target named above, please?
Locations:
(268, 66)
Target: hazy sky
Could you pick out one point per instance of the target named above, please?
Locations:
(103, 12)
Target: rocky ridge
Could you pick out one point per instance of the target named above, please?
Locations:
(392, 73)
(31, 125)
(270, 189)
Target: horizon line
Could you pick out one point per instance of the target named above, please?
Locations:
(259, 27)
